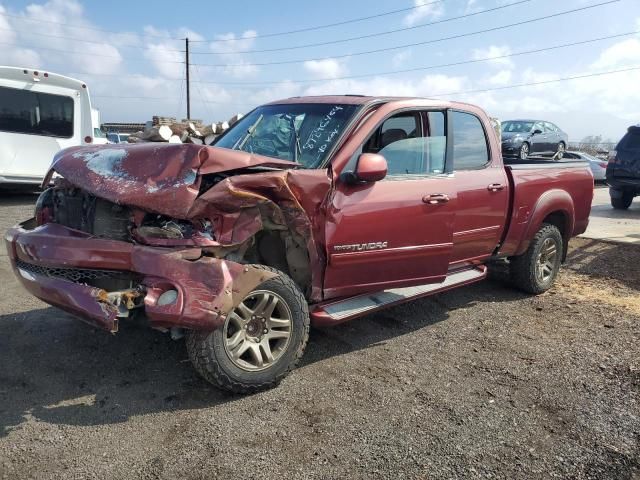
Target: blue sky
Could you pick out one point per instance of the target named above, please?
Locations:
(129, 49)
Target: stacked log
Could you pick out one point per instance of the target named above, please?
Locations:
(167, 129)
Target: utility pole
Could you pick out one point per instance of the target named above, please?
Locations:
(186, 42)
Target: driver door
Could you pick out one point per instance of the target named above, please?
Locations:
(398, 231)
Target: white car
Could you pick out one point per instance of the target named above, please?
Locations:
(40, 114)
(598, 165)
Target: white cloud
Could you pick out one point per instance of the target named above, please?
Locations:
(229, 47)
(401, 58)
(503, 77)
(166, 60)
(327, 68)
(426, 9)
(7, 34)
(626, 52)
(492, 52)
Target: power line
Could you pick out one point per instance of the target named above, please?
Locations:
(481, 90)
(328, 25)
(541, 82)
(437, 40)
(92, 54)
(86, 41)
(370, 35)
(429, 67)
(426, 42)
(223, 40)
(23, 18)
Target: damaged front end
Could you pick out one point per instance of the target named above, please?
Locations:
(171, 230)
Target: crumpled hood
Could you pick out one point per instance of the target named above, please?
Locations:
(158, 177)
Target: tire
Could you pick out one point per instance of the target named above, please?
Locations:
(623, 202)
(525, 269)
(217, 360)
(523, 153)
(561, 149)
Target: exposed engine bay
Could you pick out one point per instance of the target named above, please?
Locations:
(260, 232)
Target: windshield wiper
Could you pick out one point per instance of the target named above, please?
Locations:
(250, 131)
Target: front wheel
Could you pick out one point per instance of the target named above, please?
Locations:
(535, 270)
(261, 341)
(524, 151)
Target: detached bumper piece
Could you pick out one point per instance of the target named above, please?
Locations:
(103, 280)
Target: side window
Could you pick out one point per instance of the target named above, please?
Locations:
(549, 127)
(470, 147)
(396, 141)
(538, 126)
(406, 149)
(35, 113)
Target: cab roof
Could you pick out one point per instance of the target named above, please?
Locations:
(367, 99)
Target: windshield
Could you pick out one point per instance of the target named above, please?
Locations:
(302, 133)
(519, 127)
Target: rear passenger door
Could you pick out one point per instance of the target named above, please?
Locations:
(553, 136)
(481, 183)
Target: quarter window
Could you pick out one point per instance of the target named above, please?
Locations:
(36, 113)
(469, 142)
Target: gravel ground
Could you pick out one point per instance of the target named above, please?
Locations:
(479, 382)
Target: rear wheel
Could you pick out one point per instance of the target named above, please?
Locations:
(623, 201)
(535, 270)
(261, 341)
(524, 151)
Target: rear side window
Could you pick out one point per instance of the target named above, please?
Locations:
(470, 148)
(35, 113)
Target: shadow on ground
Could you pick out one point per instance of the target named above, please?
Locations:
(603, 260)
(58, 370)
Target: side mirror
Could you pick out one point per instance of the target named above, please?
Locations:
(537, 131)
(371, 167)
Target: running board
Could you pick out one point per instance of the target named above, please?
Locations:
(343, 310)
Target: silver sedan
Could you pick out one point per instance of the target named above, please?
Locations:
(598, 165)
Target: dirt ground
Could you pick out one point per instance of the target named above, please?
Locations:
(481, 382)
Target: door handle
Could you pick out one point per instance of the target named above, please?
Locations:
(495, 187)
(435, 198)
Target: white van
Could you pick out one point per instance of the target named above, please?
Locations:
(40, 114)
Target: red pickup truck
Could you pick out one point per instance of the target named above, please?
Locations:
(308, 211)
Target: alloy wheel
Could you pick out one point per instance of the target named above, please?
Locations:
(258, 331)
(546, 262)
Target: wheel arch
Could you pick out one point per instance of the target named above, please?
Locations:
(556, 208)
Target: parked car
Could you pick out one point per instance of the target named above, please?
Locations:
(40, 114)
(310, 210)
(521, 138)
(623, 170)
(598, 165)
(115, 137)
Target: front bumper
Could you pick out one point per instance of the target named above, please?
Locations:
(511, 149)
(207, 288)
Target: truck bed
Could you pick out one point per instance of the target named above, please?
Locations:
(535, 184)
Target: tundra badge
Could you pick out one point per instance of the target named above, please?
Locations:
(359, 247)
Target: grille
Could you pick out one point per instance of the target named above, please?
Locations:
(77, 275)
